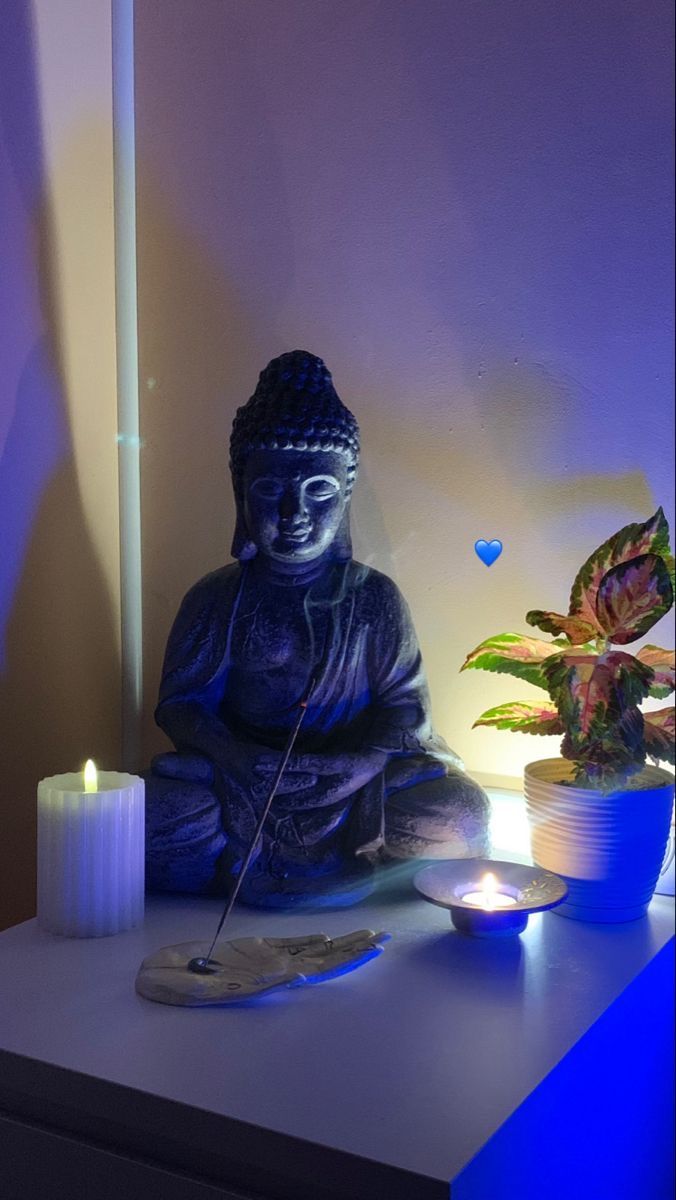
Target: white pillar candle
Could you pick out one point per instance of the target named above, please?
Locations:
(91, 853)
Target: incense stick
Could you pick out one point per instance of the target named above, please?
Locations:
(202, 966)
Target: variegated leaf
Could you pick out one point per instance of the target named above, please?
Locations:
(612, 752)
(650, 537)
(663, 665)
(574, 628)
(632, 597)
(523, 718)
(592, 690)
(512, 654)
(659, 733)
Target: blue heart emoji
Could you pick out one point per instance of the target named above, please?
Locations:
(488, 551)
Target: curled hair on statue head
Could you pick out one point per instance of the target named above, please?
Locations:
(294, 407)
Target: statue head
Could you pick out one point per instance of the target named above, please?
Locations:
(294, 452)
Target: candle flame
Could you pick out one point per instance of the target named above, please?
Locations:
(90, 777)
(489, 887)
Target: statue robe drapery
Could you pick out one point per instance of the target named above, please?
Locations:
(370, 692)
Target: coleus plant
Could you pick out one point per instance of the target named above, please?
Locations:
(622, 590)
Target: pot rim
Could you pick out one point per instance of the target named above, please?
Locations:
(660, 779)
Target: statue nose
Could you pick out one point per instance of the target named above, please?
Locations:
(293, 511)
(295, 520)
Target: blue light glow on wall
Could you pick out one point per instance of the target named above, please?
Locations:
(33, 429)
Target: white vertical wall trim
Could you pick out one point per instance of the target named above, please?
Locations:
(129, 442)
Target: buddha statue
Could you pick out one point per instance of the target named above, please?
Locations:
(369, 782)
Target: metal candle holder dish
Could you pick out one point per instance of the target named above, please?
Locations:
(532, 889)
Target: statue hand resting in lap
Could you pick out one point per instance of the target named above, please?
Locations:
(369, 782)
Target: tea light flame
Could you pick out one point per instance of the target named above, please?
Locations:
(489, 889)
(488, 895)
(91, 783)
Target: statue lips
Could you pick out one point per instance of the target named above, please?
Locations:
(296, 535)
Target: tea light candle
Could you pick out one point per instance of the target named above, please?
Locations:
(483, 907)
(489, 898)
(91, 852)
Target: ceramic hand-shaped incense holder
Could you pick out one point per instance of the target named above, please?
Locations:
(245, 968)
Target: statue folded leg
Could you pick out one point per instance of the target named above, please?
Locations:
(199, 826)
(184, 829)
(433, 811)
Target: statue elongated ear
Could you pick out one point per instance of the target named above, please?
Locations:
(342, 543)
(243, 548)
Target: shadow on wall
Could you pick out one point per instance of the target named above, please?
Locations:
(57, 637)
(196, 346)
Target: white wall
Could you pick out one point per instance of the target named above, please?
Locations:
(466, 210)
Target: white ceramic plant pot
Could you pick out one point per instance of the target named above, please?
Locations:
(608, 849)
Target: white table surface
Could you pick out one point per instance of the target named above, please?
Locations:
(414, 1060)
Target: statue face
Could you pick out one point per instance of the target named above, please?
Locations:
(294, 501)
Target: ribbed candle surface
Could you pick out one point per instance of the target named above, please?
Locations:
(91, 863)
